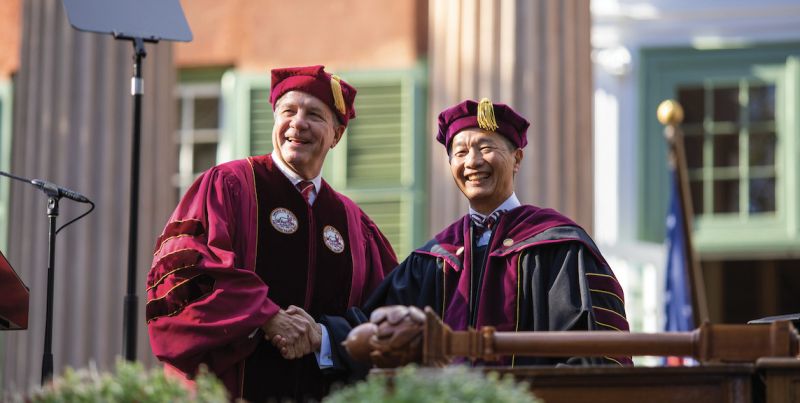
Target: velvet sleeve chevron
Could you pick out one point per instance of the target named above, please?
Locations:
(608, 306)
(572, 287)
(181, 286)
(204, 299)
(608, 301)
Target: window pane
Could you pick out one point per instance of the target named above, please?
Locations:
(206, 113)
(726, 104)
(726, 196)
(693, 101)
(696, 187)
(205, 156)
(762, 195)
(694, 150)
(762, 103)
(762, 149)
(726, 150)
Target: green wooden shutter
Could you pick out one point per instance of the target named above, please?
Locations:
(374, 139)
(374, 163)
(380, 164)
(389, 216)
(261, 120)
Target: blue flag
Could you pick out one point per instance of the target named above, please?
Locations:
(678, 295)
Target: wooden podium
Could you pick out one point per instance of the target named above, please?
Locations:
(14, 297)
(717, 383)
(738, 363)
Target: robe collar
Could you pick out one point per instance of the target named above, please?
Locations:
(511, 203)
(292, 175)
(514, 232)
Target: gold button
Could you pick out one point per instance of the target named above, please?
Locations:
(460, 250)
(508, 242)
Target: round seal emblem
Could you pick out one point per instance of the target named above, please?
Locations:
(283, 220)
(333, 239)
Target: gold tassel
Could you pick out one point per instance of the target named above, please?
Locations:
(338, 96)
(486, 119)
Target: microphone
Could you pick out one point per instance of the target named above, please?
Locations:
(53, 190)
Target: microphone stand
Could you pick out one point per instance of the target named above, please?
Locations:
(47, 357)
(54, 194)
(131, 300)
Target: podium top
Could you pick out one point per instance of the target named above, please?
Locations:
(14, 298)
(150, 20)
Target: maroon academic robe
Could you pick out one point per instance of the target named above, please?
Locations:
(242, 244)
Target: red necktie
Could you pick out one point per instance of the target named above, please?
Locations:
(305, 188)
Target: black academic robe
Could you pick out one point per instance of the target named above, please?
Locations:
(539, 272)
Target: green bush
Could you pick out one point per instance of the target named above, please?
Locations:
(130, 383)
(452, 384)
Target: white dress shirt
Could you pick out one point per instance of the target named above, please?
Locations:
(295, 178)
(511, 203)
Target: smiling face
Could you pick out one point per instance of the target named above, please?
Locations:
(483, 165)
(305, 129)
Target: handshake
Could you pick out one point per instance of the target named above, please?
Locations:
(293, 332)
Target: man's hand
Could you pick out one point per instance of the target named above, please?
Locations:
(392, 338)
(293, 332)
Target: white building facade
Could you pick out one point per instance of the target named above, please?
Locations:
(735, 67)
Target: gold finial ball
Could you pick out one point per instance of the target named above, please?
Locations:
(670, 112)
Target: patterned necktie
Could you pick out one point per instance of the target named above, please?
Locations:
(483, 224)
(305, 188)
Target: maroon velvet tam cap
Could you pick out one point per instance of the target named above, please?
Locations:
(330, 89)
(499, 118)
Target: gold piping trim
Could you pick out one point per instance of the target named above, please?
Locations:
(519, 288)
(255, 195)
(171, 272)
(171, 289)
(165, 256)
(186, 220)
(609, 293)
(606, 325)
(605, 275)
(173, 313)
(164, 242)
(444, 284)
(610, 310)
(241, 384)
(602, 275)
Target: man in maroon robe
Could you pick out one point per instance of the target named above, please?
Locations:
(504, 264)
(259, 247)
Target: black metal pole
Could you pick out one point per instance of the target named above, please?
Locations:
(47, 357)
(137, 89)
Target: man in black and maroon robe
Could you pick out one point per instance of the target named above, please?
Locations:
(258, 247)
(504, 264)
